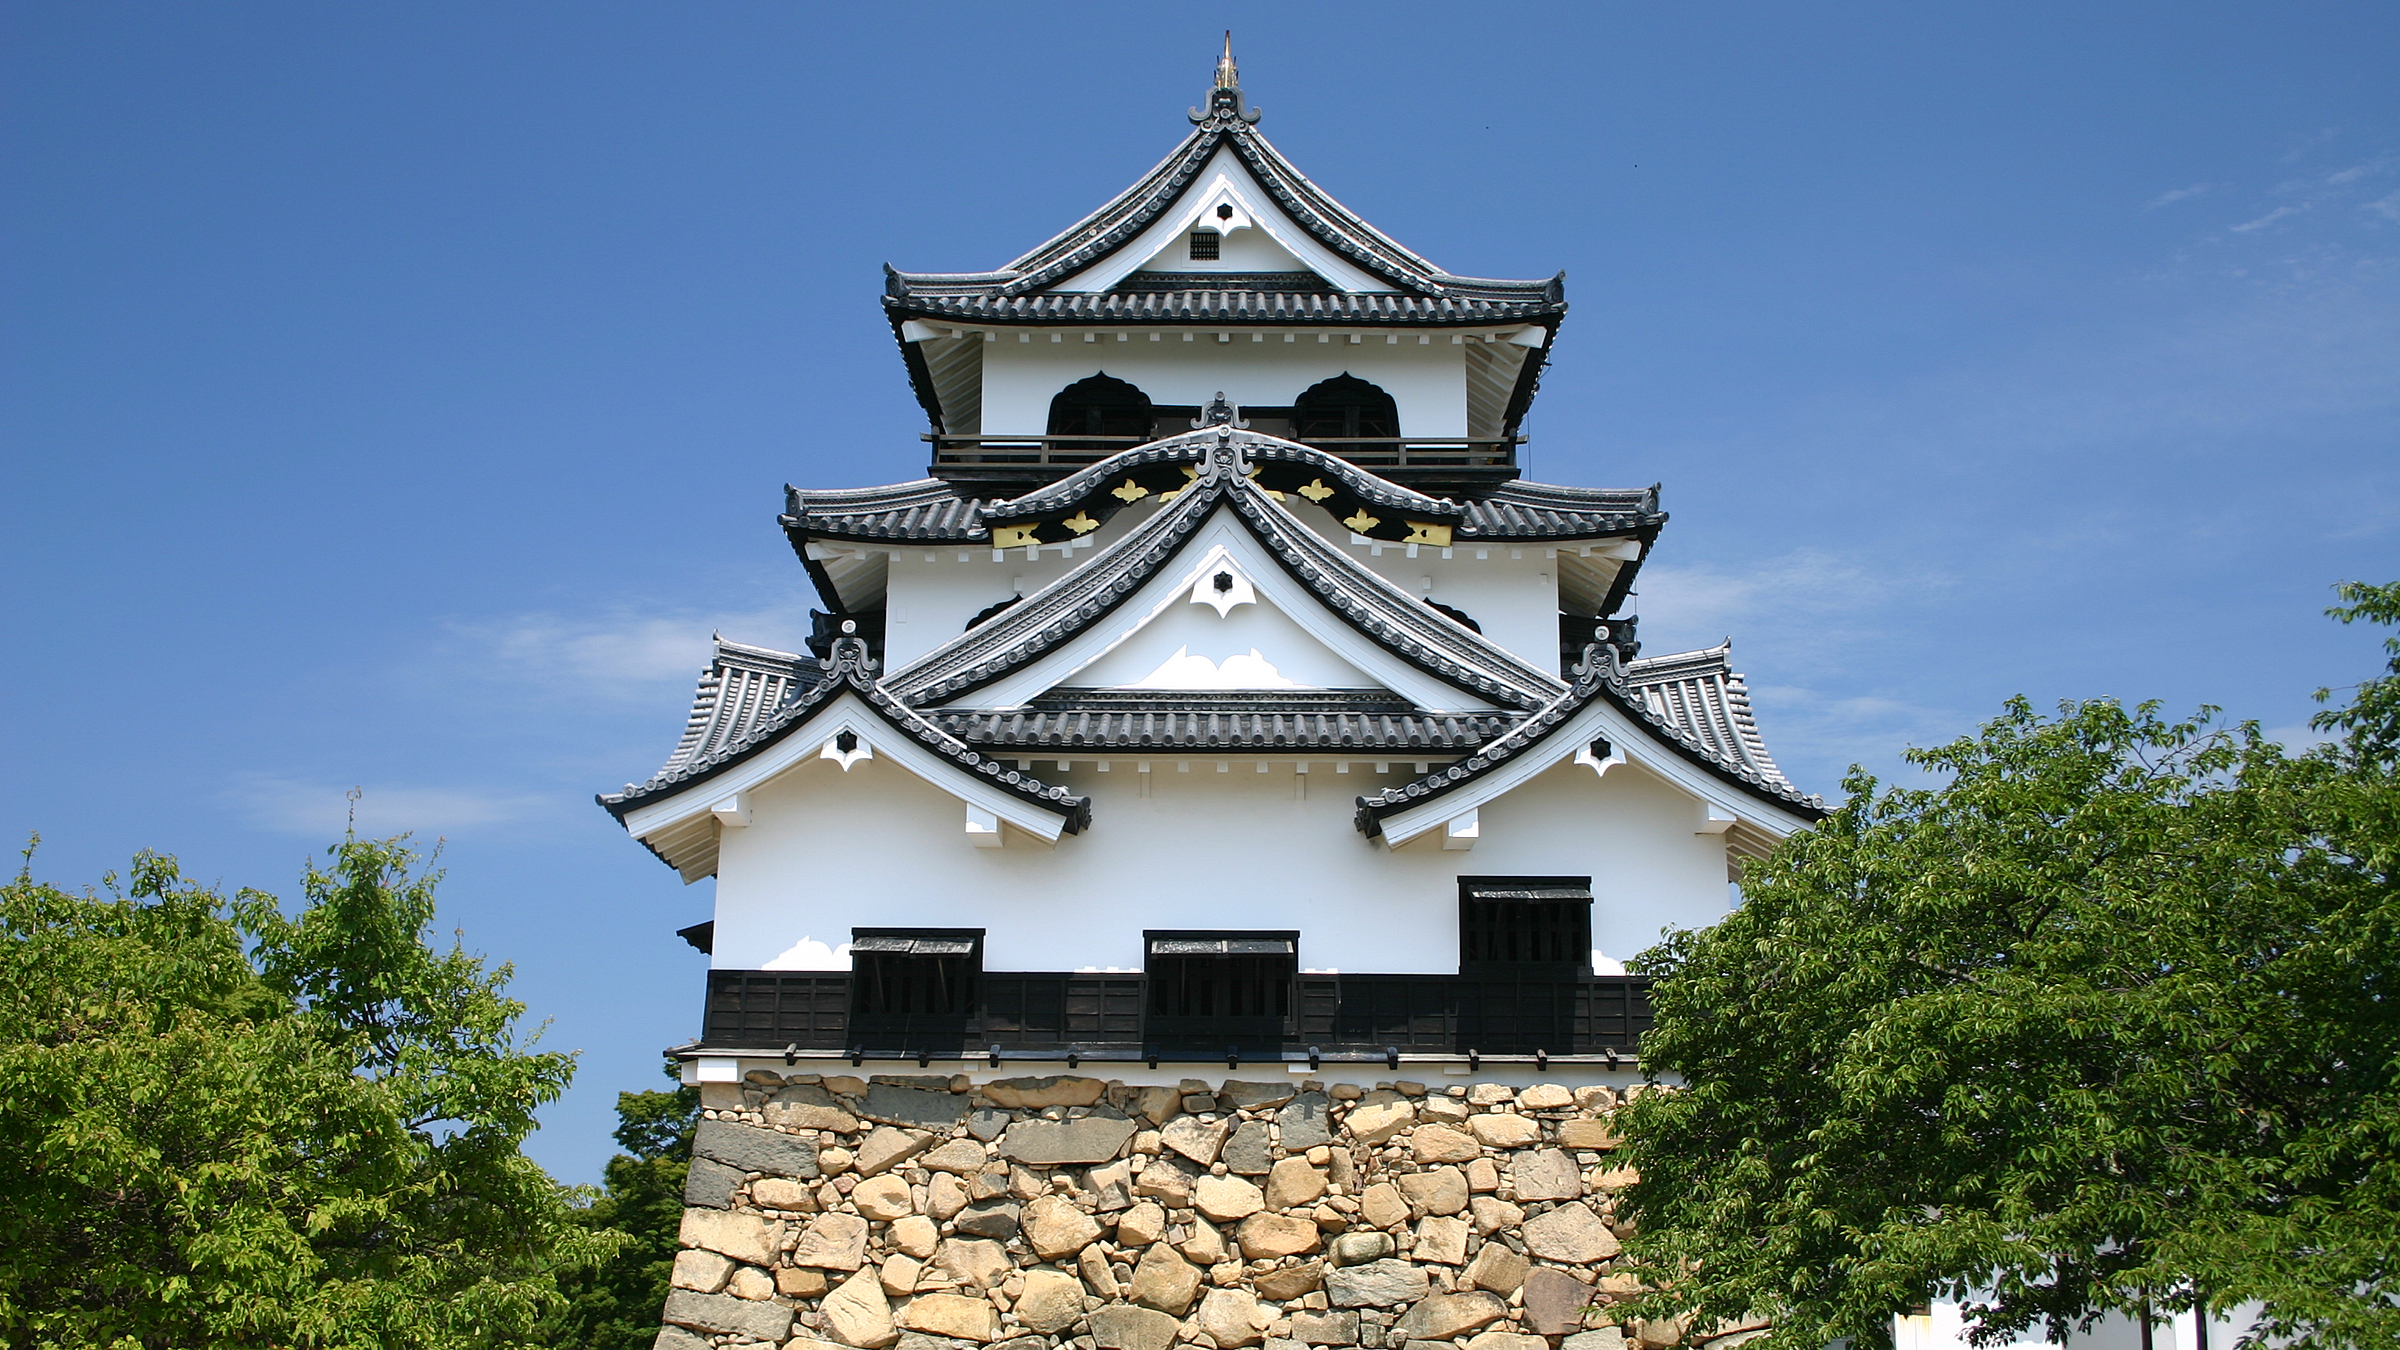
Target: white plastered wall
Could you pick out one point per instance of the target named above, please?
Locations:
(1204, 848)
(1510, 588)
(1425, 373)
(1253, 630)
(933, 589)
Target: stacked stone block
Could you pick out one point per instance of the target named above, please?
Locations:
(1068, 1213)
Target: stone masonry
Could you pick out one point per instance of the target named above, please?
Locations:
(1067, 1213)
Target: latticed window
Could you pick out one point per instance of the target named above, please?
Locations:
(1204, 245)
(1222, 975)
(907, 972)
(1524, 924)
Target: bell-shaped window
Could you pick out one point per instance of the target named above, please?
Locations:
(1345, 408)
(1101, 405)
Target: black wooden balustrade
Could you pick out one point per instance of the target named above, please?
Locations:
(1110, 1016)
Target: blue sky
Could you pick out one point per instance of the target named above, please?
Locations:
(398, 396)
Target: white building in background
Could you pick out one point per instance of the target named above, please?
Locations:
(1223, 695)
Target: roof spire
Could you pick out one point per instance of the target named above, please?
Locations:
(1226, 106)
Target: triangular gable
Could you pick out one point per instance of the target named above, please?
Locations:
(1258, 235)
(1601, 720)
(681, 810)
(1227, 124)
(1262, 631)
(1066, 612)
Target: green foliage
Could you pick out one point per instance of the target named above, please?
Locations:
(224, 1127)
(2108, 1017)
(615, 1305)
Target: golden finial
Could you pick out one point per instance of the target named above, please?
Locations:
(1227, 77)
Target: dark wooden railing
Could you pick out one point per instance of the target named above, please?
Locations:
(1073, 452)
(1106, 1016)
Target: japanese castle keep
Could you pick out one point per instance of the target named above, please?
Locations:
(1179, 894)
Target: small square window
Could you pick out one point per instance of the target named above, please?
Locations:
(1524, 924)
(1221, 976)
(910, 972)
(1204, 245)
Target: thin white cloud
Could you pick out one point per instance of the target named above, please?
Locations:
(2366, 169)
(2269, 218)
(2388, 206)
(626, 653)
(322, 811)
(1807, 585)
(2297, 739)
(2180, 194)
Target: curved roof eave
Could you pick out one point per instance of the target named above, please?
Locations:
(849, 669)
(929, 509)
(1602, 676)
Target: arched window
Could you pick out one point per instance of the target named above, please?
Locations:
(1102, 405)
(1346, 407)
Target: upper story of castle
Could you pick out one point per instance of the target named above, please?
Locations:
(1223, 272)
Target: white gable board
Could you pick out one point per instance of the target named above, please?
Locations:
(1224, 181)
(1222, 540)
(1220, 638)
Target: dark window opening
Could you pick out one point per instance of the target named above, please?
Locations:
(1204, 245)
(1525, 924)
(1101, 405)
(1345, 407)
(1222, 975)
(915, 972)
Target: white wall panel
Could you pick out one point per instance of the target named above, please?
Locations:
(826, 851)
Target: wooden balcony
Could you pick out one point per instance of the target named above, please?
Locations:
(1412, 460)
(1103, 1017)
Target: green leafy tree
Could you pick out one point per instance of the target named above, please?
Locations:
(615, 1305)
(2109, 1021)
(223, 1126)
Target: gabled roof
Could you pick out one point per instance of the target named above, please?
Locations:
(848, 669)
(1692, 704)
(1231, 299)
(741, 690)
(1383, 284)
(1048, 618)
(1230, 123)
(1706, 701)
(1692, 701)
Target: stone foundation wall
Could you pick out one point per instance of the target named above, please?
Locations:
(1067, 1213)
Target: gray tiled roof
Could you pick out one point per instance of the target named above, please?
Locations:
(1700, 707)
(1132, 211)
(848, 669)
(1518, 509)
(1216, 305)
(929, 509)
(1701, 695)
(740, 690)
(1142, 719)
(750, 697)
